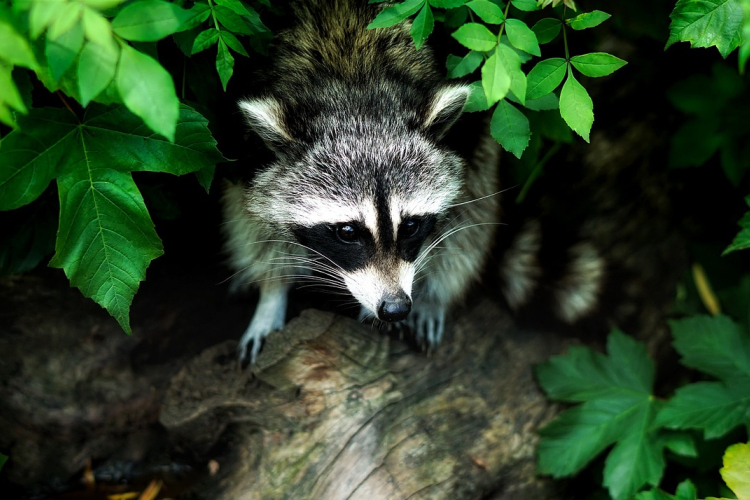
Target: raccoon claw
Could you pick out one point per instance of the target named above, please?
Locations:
(248, 353)
(428, 324)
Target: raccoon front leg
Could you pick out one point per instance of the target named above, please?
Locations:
(269, 316)
(451, 263)
(427, 321)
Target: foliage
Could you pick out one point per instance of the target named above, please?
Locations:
(721, 348)
(499, 46)
(707, 23)
(618, 405)
(96, 52)
(736, 473)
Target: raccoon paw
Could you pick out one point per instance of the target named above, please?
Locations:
(254, 337)
(428, 324)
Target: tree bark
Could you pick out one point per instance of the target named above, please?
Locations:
(336, 409)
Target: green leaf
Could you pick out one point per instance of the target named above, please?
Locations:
(206, 177)
(10, 98)
(547, 29)
(597, 64)
(41, 16)
(576, 107)
(477, 100)
(3, 459)
(224, 64)
(654, 494)
(233, 43)
(447, 4)
(232, 21)
(149, 20)
(681, 443)
(105, 239)
(466, 65)
(199, 12)
(512, 64)
(522, 37)
(487, 11)
(238, 7)
(736, 470)
(618, 408)
(714, 345)
(454, 18)
(546, 103)
(66, 18)
(525, 5)
(422, 26)
(96, 70)
(62, 52)
(475, 36)
(495, 79)
(719, 347)
(98, 30)
(549, 124)
(634, 461)
(14, 49)
(588, 20)
(396, 13)
(742, 240)
(714, 407)
(545, 77)
(686, 491)
(205, 39)
(148, 91)
(695, 142)
(30, 161)
(707, 23)
(510, 128)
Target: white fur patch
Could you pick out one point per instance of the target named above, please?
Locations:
(370, 218)
(577, 293)
(371, 284)
(520, 268)
(265, 117)
(447, 98)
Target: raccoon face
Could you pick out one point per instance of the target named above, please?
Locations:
(363, 195)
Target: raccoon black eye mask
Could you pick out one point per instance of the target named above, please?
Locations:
(361, 194)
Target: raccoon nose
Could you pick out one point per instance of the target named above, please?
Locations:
(394, 308)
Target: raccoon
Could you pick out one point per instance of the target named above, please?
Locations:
(360, 191)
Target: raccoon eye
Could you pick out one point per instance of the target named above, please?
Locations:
(347, 233)
(409, 228)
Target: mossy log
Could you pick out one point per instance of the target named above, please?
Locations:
(335, 409)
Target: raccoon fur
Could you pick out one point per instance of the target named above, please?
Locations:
(367, 186)
(360, 192)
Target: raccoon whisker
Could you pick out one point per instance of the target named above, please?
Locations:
(483, 197)
(312, 261)
(450, 233)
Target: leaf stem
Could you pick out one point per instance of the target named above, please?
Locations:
(65, 101)
(565, 35)
(502, 26)
(184, 73)
(213, 15)
(537, 171)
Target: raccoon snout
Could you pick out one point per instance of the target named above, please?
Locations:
(394, 307)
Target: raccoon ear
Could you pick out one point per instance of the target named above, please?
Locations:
(445, 108)
(266, 118)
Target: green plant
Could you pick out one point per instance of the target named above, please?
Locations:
(618, 404)
(100, 54)
(499, 45)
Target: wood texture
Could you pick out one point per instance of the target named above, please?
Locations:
(339, 410)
